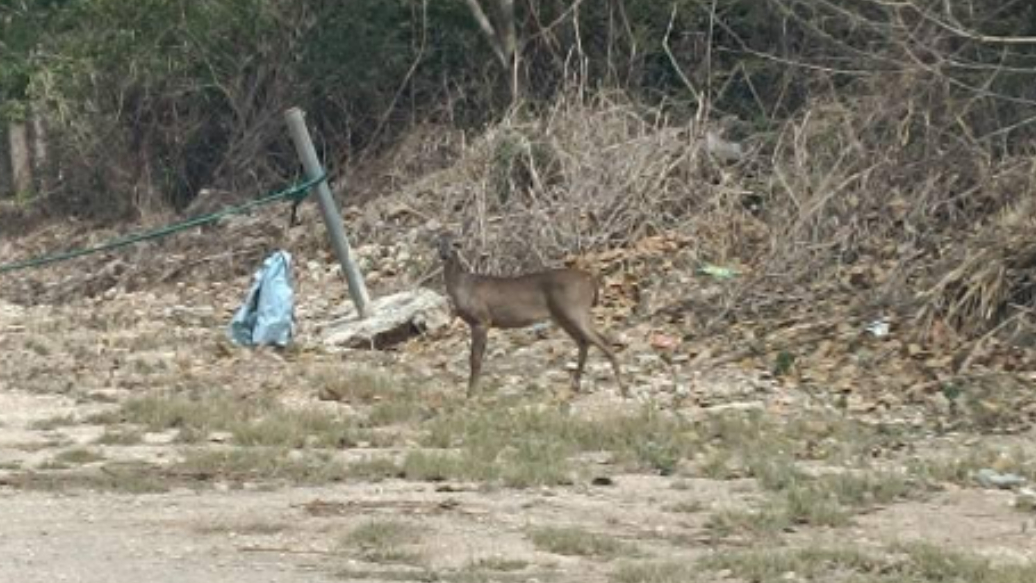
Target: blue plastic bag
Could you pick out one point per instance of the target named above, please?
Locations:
(267, 315)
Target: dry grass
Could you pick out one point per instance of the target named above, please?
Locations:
(829, 500)
(589, 176)
(656, 572)
(255, 420)
(577, 542)
(260, 465)
(122, 477)
(352, 385)
(909, 563)
(984, 283)
(78, 456)
(55, 422)
(119, 435)
(254, 527)
(384, 541)
(961, 468)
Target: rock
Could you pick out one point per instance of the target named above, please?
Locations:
(160, 438)
(390, 320)
(993, 479)
(1025, 501)
(221, 437)
(10, 311)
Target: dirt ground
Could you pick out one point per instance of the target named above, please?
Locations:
(68, 373)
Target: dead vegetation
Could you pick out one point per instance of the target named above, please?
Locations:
(822, 232)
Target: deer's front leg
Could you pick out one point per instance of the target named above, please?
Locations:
(479, 335)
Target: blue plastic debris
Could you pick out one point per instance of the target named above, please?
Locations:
(267, 315)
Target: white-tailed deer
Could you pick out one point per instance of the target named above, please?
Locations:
(562, 295)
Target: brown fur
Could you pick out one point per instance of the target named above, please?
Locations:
(564, 296)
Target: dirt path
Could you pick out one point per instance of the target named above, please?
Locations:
(125, 539)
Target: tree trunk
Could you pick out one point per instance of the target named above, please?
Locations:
(502, 38)
(21, 158)
(40, 151)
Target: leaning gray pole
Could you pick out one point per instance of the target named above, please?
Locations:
(332, 219)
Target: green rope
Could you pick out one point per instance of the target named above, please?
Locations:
(296, 194)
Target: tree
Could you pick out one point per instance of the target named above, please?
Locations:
(501, 36)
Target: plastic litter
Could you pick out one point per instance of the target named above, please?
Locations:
(267, 316)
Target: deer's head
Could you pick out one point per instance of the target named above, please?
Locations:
(447, 246)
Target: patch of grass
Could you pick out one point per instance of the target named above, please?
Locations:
(774, 471)
(813, 506)
(384, 542)
(121, 477)
(35, 446)
(37, 347)
(195, 412)
(53, 464)
(688, 507)
(262, 465)
(437, 466)
(719, 464)
(530, 464)
(382, 575)
(930, 563)
(245, 527)
(817, 436)
(296, 428)
(765, 521)
(375, 469)
(960, 469)
(522, 466)
(353, 385)
(908, 563)
(490, 571)
(828, 500)
(78, 456)
(498, 564)
(817, 502)
(811, 564)
(258, 420)
(867, 488)
(665, 572)
(577, 542)
(11, 465)
(120, 436)
(992, 402)
(757, 447)
(55, 422)
(406, 407)
(522, 445)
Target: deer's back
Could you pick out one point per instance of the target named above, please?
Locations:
(514, 302)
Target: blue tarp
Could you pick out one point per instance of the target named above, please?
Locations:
(267, 315)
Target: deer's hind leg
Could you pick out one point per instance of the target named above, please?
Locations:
(479, 337)
(584, 348)
(582, 331)
(602, 343)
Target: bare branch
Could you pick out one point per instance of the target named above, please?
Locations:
(508, 37)
(490, 32)
(676, 65)
(958, 29)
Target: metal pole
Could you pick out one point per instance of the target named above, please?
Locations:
(328, 209)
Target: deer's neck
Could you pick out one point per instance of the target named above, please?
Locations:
(453, 272)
